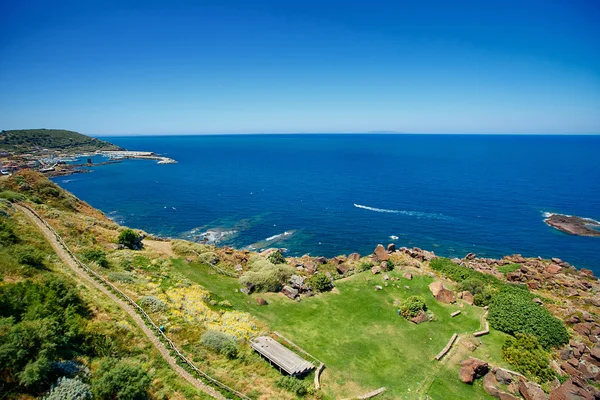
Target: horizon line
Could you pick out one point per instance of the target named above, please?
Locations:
(338, 133)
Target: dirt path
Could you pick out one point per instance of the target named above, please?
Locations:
(70, 262)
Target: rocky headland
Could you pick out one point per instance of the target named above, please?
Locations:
(574, 225)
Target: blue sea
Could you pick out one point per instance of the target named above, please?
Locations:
(337, 194)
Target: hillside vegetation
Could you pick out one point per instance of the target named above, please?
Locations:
(352, 313)
(26, 140)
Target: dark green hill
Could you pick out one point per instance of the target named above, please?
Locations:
(28, 140)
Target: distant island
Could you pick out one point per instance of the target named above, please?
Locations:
(573, 225)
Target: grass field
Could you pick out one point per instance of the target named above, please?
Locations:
(356, 332)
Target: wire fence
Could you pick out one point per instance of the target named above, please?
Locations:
(171, 346)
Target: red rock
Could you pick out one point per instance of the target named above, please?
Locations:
(435, 287)
(446, 296)
(468, 298)
(311, 267)
(375, 270)
(354, 257)
(391, 248)
(420, 317)
(586, 271)
(407, 275)
(261, 302)
(595, 352)
(531, 391)
(472, 369)
(533, 285)
(553, 269)
(342, 269)
(289, 292)
(572, 389)
(573, 361)
(380, 253)
(582, 328)
(568, 368)
(514, 276)
(335, 261)
(321, 260)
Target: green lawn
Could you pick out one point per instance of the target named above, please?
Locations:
(357, 333)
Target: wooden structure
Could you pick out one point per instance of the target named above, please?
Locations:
(447, 348)
(279, 355)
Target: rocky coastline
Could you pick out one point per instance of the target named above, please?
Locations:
(573, 225)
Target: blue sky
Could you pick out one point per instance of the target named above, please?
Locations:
(162, 67)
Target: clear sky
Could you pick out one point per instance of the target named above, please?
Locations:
(152, 67)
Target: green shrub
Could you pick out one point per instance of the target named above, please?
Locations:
(152, 303)
(410, 307)
(208, 258)
(97, 256)
(264, 276)
(508, 268)
(221, 343)
(28, 255)
(69, 389)
(319, 282)
(458, 273)
(13, 197)
(123, 277)
(293, 385)
(117, 379)
(528, 357)
(7, 234)
(513, 311)
(483, 298)
(389, 265)
(364, 266)
(276, 258)
(130, 239)
(473, 285)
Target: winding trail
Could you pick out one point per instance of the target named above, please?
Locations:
(72, 263)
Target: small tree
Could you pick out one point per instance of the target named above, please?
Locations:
(528, 357)
(220, 342)
(120, 380)
(319, 282)
(276, 257)
(411, 307)
(130, 239)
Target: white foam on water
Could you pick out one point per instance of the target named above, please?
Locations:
(279, 236)
(417, 214)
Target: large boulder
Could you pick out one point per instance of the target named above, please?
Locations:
(468, 297)
(420, 317)
(471, 369)
(490, 385)
(261, 302)
(446, 296)
(289, 292)
(391, 248)
(595, 352)
(531, 391)
(435, 287)
(375, 270)
(407, 275)
(380, 253)
(573, 389)
(297, 282)
(354, 257)
(342, 269)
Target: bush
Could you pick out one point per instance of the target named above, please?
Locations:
(277, 258)
(7, 235)
(13, 197)
(513, 311)
(319, 282)
(293, 385)
(411, 307)
(473, 285)
(509, 268)
(130, 239)
(123, 277)
(458, 273)
(389, 265)
(117, 379)
(364, 266)
(528, 357)
(69, 389)
(221, 343)
(30, 256)
(97, 256)
(208, 258)
(483, 298)
(265, 276)
(152, 303)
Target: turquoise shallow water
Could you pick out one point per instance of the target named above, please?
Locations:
(336, 194)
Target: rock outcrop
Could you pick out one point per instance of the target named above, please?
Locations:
(380, 253)
(442, 294)
(472, 369)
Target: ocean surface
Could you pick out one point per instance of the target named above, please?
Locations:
(337, 194)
